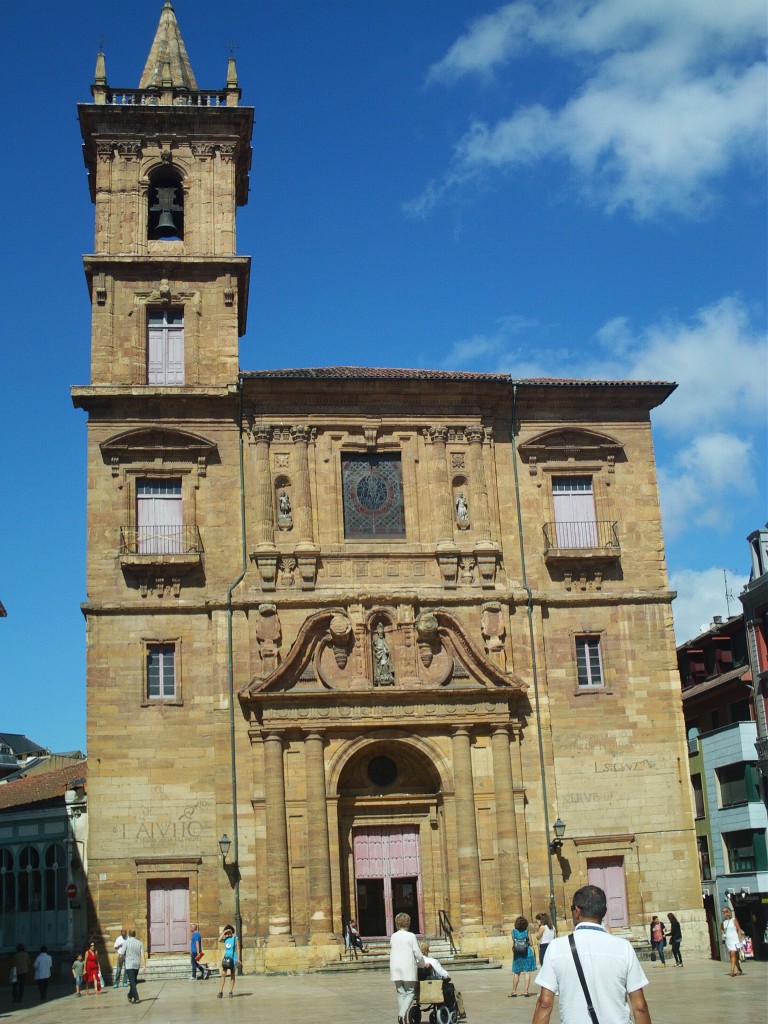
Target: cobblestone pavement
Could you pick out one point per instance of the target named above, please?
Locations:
(700, 993)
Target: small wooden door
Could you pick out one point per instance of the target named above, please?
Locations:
(168, 915)
(608, 873)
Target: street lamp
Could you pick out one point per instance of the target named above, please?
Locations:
(557, 843)
(224, 844)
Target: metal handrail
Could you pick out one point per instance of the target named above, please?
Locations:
(580, 536)
(160, 540)
(446, 929)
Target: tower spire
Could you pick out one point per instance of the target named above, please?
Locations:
(168, 51)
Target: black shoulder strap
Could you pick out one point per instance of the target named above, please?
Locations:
(582, 979)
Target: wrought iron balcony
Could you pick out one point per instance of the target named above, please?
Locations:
(595, 539)
(761, 746)
(155, 545)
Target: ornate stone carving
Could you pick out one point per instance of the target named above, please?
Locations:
(462, 511)
(268, 635)
(287, 569)
(370, 434)
(448, 562)
(428, 637)
(104, 151)
(266, 563)
(341, 637)
(467, 569)
(457, 460)
(227, 152)
(284, 517)
(128, 149)
(493, 630)
(282, 460)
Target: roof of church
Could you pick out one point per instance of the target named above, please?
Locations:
(168, 48)
(392, 373)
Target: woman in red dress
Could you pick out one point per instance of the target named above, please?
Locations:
(91, 972)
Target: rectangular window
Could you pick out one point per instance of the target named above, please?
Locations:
(159, 528)
(588, 661)
(165, 347)
(698, 795)
(741, 710)
(705, 867)
(737, 784)
(574, 507)
(373, 496)
(745, 851)
(161, 671)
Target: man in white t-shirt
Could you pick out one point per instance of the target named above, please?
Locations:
(120, 942)
(611, 970)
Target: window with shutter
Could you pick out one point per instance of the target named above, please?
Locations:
(165, 347)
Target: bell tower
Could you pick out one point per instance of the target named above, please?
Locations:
(167, 167)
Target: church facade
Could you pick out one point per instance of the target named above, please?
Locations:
(375, 630)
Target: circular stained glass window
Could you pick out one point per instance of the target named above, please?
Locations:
(382, 771)
(372, 492)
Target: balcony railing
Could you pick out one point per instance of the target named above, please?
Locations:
(152, 541)
(582, 539)
(151, 98)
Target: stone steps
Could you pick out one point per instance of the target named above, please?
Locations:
(174, 968)
(376, 957)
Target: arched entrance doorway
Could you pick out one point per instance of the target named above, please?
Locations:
(391, 837)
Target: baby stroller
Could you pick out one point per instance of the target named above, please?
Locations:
(439, 999)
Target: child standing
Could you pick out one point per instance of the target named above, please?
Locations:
(77, 973)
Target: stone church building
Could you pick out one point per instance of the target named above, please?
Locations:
(376, 629)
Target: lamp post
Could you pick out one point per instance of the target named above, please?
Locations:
(224, 844)
(556, 844)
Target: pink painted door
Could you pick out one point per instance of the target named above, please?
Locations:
(387, 867)
(168, 916)
(608, 873)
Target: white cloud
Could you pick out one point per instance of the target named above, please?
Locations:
(672, 94)
(701, 595)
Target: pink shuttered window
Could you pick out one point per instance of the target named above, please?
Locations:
(165, 347)
(158, 517)
(574, 506)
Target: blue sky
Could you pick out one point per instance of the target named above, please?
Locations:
(535, 188)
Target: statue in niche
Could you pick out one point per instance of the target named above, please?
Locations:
(462, 511)
(284, 517)
(383, 673)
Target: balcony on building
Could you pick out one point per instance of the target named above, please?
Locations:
(592, 540)
(177, 547)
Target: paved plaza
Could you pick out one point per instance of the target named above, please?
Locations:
(700, 993)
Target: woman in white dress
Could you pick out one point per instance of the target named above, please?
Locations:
(732, 937)
(405, 958)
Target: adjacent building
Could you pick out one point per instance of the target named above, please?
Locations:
(357, 637)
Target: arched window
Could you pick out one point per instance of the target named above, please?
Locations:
(55, 877)
(7, 882)
(30, 879)
(165, 214)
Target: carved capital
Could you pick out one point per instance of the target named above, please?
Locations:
(227, 152)
(128, 149)
(104, 151)
(437, 434)
(474, 435)
(301, 434)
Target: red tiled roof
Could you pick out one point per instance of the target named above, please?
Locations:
(42, 785)
(394, 373)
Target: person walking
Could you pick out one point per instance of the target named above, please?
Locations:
(405, 958)
(92, 970)
(21, 965)
(42, 967)
(675, 939)
(544, 935)
(230, 958)
(120, 942)
(523, 960)
(196, 955)
(658, 938)
(134, 961)
(732, 936)
(610, 966)
(77, 973)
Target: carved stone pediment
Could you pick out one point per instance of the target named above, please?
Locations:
(559, 444)
(174, 445)
(329, 656)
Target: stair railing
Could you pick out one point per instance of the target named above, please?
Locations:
(446, 929)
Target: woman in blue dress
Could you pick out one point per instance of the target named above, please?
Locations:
(523, 960)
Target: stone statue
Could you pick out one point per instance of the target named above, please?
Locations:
(383, 674)
(462, 509)
(284, 510)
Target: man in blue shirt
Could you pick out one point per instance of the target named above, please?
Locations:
(195, 951)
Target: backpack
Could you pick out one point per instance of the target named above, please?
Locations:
(520, 947)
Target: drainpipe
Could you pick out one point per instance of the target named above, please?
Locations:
(231, 675)
(529, 593)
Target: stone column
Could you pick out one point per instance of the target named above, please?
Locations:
(466, 832)
(263, 502)
(479, 511)
(442, 498)
(506, 828)
(278, 876)
(302, 509)
(319, 861)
